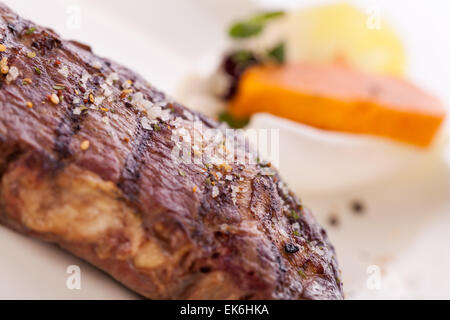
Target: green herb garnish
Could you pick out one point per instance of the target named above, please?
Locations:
(252, 26)
(241, 56)
(296, 233)
(277, 53)
(156, 127)
(302, 273)
(30, 31)
(232, 121)
(295, 215)
(269, 15)
(245, 29)
(37, 70)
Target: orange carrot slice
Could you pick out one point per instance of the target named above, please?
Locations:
(334, 97)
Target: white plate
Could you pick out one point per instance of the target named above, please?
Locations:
(404, 230)
(316, 161)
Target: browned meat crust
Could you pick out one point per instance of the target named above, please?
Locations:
(86, 163)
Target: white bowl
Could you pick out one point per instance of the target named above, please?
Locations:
(312, 160)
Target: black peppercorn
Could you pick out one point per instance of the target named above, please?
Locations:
(333, 220)
(290, 248)
(357, 207)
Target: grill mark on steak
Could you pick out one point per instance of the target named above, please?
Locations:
(68, 126)
(269, 199)
(130, 176)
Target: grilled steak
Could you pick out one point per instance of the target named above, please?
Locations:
(87, 162)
